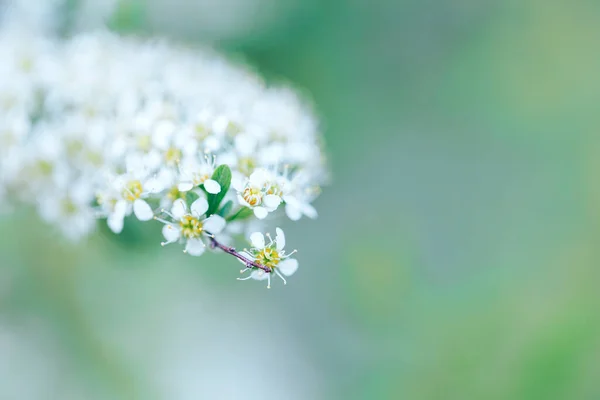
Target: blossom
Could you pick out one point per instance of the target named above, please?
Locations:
(195, 172)
(126, 195)
(260, 193)
(271, 255)
(98, 126)
(188, 225)
(69, 210)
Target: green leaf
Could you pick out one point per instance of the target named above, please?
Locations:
(242, 213)
(223, 176)
(226, 209)
(129, 16)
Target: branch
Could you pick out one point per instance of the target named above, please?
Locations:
(230, 250)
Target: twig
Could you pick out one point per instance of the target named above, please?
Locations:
(230, 250)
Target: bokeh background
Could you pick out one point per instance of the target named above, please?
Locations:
(457, 251)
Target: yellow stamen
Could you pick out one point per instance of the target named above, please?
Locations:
(191, 227)
(133, 190)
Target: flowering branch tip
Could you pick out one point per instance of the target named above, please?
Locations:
(231, 250)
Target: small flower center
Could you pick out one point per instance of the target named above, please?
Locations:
(144, 143)
(74, 147)
(199, 179)
(246, 165)
(26, 64)
(94, 158)
(133, 190)
(69, 207)
(253, 196)
(45, 167)
(191, 227)
(268, 257)
(8, 139)
(201, 131)
(233, 129)
(275, 189)
(175, 194)
(173, 155)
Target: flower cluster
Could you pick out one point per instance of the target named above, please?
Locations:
(101, 126)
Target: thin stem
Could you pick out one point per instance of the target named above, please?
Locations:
(230, 250)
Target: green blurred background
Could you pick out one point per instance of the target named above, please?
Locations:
(456, 255)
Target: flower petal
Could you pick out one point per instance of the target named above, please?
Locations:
(162, 134)
(259, 177)
(288, 267)
(245, 144)
(195, 247)
(115, 222)
(272, 201)
(280, 239)
(214, 224)
(185, 186)
(170, 232)
(259, 275)
(238, 181)
(199, 206)
(293, 212)
(258, 240)
(212, 186)
(179, 209)
(260, 212)
(154, 185)
(310, 211)
(142, 210)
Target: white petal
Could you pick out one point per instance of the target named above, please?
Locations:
(293, 212)
(170, 232)
(259, 177)
(258, 240)
(259, 275)
(260, 212)
(245, 144)
(220, 124)
(272, 201)
(134, 163)
(288, 267)
(238, 181)
(212, 186)
(179, 209)
(142, 210)
(280, 239)
(194, 247)
(115, 222)
(154, 185)
(162, 134)
(212, 144)
(310, 211)
(185, 186)
(214, 224)
(199, 206)
(120, 208)
(153, 160)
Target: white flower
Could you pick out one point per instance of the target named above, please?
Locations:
(70, 211)
(297, 198)
(188, 225)
(259, 194)
(271, 255)
(132, 124)
(127, 194)
(194, 173)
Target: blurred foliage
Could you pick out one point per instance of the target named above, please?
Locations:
(456, 252)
